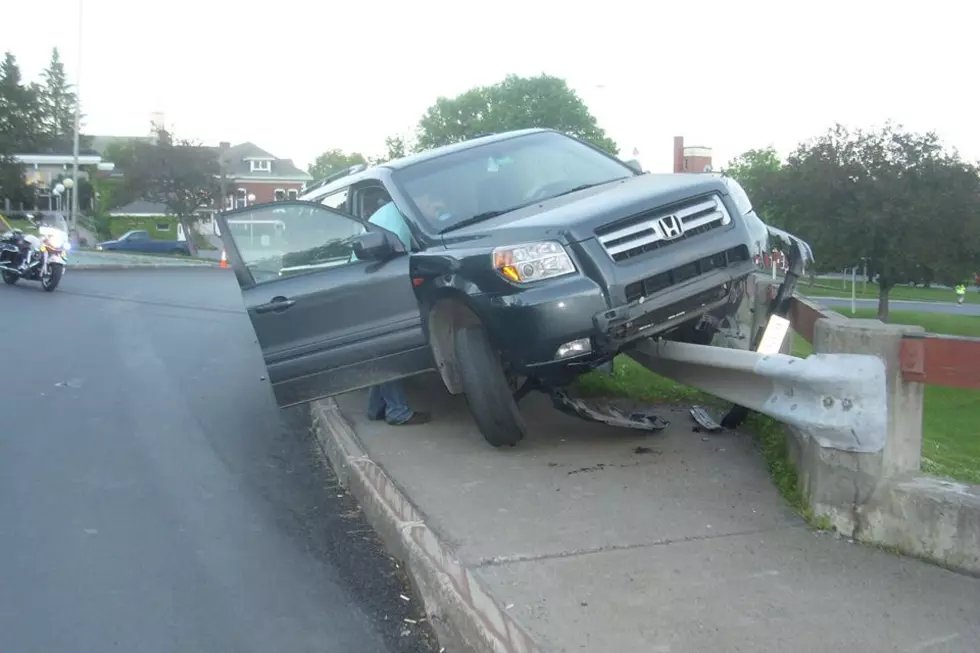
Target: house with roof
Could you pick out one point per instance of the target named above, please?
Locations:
(253, 175)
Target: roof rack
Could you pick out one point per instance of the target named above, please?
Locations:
(353, 170)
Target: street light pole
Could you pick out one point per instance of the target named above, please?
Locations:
(78, 101)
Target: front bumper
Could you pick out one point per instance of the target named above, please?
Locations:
(614, 304)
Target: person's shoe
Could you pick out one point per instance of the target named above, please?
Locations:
(418, 417)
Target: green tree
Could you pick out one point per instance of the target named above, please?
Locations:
(758, 173)
(181, 174)
(19, 109)
(57, 106)
(394, 149)
(896, 199)
(514, 103)
(333, 160)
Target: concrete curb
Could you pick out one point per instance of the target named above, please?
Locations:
(464, 614)
(83, 267)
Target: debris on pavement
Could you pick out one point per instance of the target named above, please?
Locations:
(704, 419)
(606, 413)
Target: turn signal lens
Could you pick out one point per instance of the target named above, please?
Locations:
(532, 262)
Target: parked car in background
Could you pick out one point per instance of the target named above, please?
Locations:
(140, 241)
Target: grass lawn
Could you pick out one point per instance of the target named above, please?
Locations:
(951, 435)
(838, 288)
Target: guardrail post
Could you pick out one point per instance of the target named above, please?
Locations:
(838, 484)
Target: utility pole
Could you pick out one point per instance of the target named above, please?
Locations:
(73, 222)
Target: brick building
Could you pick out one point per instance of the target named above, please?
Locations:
(691, 158)
(251, 172)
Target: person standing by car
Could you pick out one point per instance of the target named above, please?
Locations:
(387, 401)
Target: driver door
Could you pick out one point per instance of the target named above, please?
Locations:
(327, 323)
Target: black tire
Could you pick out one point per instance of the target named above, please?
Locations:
(10, 278)
(50, 282)
(487, 390)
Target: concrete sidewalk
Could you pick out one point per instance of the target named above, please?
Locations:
(589, 538)
(95, 260)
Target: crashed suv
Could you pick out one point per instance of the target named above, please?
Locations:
(519, 260)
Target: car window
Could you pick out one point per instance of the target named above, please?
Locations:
(336, 200)
(503, 175)
(278, 240)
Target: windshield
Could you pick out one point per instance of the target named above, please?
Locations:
(490, 179)
(55, 220)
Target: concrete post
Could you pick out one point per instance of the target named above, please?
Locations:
(839, 484)
(903, 449)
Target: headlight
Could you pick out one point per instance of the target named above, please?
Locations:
(532, 262)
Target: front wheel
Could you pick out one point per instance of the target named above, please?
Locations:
(51, 280)
(488, 392)
(10, 278)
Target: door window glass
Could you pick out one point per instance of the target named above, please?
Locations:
(337, 200)
(279, 239)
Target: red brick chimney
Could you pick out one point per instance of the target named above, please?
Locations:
(691, 159)
(678, 154)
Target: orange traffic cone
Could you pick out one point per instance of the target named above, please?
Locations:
(224, 259)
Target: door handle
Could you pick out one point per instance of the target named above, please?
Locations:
(277, 305)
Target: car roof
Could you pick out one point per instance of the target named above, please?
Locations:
(344, 181)
(437, 152)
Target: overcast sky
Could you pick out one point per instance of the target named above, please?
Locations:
(300, 76)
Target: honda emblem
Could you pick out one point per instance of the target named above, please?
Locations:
(670, 227)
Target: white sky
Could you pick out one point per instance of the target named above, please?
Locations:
(301, 76)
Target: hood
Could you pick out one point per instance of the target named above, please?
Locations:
(575, 217)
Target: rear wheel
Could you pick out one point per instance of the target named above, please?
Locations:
(10, 278)
(51, 280)
(487, 389)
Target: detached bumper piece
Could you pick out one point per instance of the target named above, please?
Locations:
(605, 413)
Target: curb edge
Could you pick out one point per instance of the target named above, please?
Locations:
(87, 267)
(463, 612)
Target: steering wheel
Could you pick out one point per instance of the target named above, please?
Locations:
(545, 191)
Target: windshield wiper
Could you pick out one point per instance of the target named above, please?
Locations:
(480, 217)
(486, 215)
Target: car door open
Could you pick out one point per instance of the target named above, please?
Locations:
(329, 297)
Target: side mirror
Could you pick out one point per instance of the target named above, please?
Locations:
(633, 163)
(373, 246)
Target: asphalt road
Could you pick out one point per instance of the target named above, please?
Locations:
(952, 308)
(153, 498)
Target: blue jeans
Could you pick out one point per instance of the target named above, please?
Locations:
(388, 402)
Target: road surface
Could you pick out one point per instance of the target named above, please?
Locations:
(153, 499)
(843, 305)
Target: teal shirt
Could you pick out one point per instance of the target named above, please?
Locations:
(390, 218)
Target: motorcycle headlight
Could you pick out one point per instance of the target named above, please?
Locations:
(532, 262)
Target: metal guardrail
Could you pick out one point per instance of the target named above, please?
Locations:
(932, 358)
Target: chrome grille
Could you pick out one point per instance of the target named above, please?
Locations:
(652, 230)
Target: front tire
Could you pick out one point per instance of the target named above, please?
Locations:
(51, 281)
(10, 278)
(488, 392)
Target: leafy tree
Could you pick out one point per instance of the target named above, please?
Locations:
(758, 173)
(514, 103)
(181, 174)
(895, 198)
(333, 160)
(395, 148)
